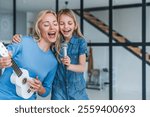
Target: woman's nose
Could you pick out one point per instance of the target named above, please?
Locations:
(50, 26)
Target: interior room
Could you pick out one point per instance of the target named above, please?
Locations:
(117, 33)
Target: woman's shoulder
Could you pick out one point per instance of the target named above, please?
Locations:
(25, 37)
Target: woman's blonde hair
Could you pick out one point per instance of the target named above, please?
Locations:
(37, 33)
(71, 14)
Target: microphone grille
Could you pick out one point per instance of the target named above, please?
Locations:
(64, 45)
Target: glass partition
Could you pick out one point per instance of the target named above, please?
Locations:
(127, 75)
(96, 21)
(148, 75)
(98, 81)
(148, 22)
(126, 20)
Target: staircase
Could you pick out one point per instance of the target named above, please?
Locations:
(116, 36)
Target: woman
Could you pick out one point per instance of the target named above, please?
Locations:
(69, 83)
(35, 55)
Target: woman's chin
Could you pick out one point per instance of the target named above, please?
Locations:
(52, 40)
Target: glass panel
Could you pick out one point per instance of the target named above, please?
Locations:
(127, 75)
(127, 21)
(6, 20)
(148, 22)
(96, 29)
(71, 4)
(148, 75)
(148, 51)
(98, 84)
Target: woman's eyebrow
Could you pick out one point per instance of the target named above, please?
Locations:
(49, 22)
(45, 22)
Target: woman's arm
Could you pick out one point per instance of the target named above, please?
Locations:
(37, 86)
(6, 61)
(46, 85)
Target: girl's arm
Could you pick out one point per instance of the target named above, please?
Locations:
(82, 59)
(16, 38)
(76, 68)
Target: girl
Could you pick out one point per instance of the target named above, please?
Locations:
(35, 55)
(69, 83)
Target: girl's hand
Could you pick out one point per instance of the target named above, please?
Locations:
(35, 84)
(6, 61)
(66, 61)
(16, 38)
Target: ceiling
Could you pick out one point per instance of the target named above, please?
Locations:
(36, 5)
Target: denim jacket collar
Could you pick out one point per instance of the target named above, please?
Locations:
(73, 40)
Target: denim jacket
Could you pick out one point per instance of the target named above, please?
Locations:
(70, 85)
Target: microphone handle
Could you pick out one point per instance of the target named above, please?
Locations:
(65, 51)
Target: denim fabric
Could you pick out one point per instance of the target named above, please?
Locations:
(69, 85)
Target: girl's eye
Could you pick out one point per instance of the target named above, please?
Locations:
(55, 24)
(70, 23)
(61, 24)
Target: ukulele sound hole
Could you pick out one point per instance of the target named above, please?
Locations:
(24, 81)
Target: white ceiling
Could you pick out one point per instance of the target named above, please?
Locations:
(36, 5)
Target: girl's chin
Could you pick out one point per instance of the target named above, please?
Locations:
(67, 36)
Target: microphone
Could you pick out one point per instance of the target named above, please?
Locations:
(64, 48)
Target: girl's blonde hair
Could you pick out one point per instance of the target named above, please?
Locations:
(37, 33)
(71, 14)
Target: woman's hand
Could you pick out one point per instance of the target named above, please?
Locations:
(6, 61)
(16, 38)
(66, 61)
(36, 85)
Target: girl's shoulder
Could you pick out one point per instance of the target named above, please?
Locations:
(80, 39)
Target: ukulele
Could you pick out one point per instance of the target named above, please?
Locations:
(19, 76)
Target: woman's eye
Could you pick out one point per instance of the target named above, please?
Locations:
(61, 23)
(46, 25)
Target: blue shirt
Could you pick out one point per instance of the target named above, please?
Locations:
(29, 56)
(70, 85)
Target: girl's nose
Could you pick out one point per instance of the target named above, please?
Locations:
(65, 25)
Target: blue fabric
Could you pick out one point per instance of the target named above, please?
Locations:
(69, 85)
(29, 56)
